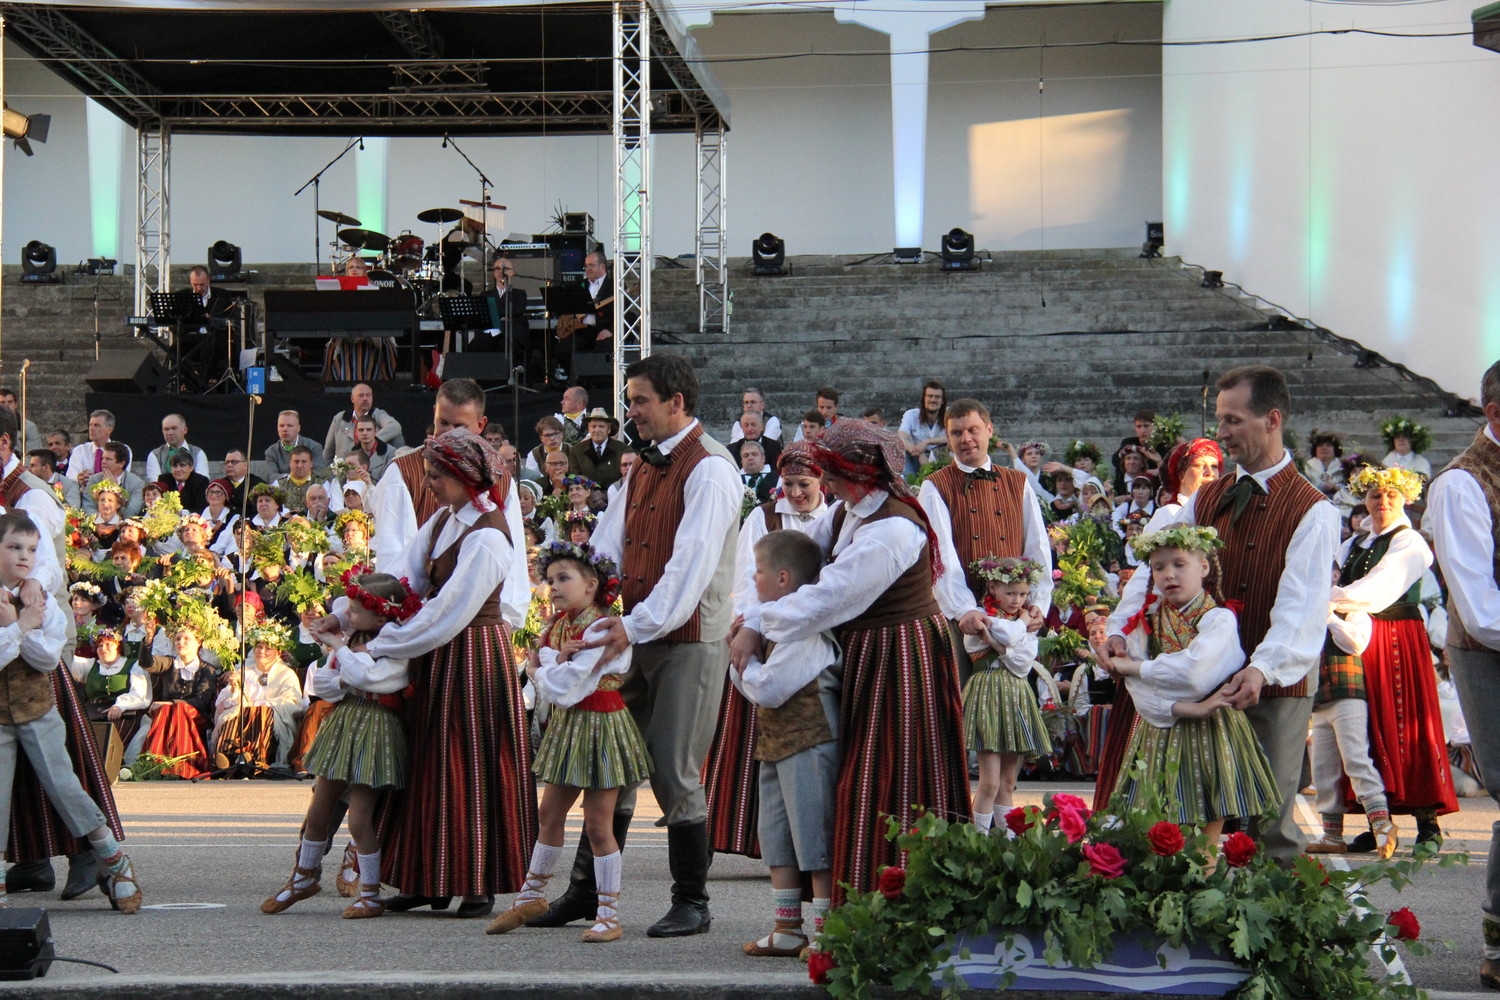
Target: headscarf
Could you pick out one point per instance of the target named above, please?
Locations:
(1179, 458)
(470, 459)
(871, 456)
(800, 458)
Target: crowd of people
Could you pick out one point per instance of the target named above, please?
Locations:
(793, 637)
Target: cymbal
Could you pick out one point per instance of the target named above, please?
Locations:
(440, 215)
(338, 218)
(364, 239)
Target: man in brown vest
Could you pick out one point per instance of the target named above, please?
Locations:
(978, 509)
(1280, 537)
(672, 535)
(1464, 513)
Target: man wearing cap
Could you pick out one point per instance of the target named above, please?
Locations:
(597, 454)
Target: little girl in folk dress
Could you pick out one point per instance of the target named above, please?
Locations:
(591, 744)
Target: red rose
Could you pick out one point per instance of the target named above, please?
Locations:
(1405, 924)
(1239, 849)
(1105, 860)
(892, 882)
(1019, 820)
(1073, 823)
(819, 963)
(1166, 838)
(1062, 800)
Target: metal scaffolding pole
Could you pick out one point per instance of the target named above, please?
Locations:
(153, 240)
(632, 133)
(709, 249)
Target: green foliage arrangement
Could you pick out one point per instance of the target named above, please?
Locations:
(1165, 432)
(1061, 646)
(302, 591)
(163, 516)
(943, 460)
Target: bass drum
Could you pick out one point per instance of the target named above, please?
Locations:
(405, 252)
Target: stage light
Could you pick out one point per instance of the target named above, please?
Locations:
(39, 264)
(1212, 279)
(768, 253)
(1155, 239)
(907, 255)
(958, 251)
(26, 949)
(225, 262)
(24, 128)
(100, 265)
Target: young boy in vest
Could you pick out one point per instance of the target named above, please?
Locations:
(795, 691)
(31, 640)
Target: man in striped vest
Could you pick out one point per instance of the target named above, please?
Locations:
(1280, 536)
(1464, 514)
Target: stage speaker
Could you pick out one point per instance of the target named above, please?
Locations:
(126, 371)
(26, 950)
(483, 366)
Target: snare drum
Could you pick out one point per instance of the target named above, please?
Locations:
(406, 252)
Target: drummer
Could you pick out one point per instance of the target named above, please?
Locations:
(463, 240)
(359, 359)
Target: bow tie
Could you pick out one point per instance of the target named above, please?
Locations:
(1239, 495)
(652, 455)
(981, 475)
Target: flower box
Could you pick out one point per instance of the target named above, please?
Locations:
(1133, 967)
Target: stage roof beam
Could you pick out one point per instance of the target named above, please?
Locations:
(414, 31)
(68, 50)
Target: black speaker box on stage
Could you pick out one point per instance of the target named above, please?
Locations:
(26, 950)
(126, 371)
(478, 365)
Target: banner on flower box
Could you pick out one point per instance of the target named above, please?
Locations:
(1133, 967)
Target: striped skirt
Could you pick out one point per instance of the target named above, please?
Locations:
(586, 749)
(1001, 714)
(360, 742)
(36, 831)
(903, 744)
(1117, 736)
(1220, 769)
(731, 780)
(467, 819)
(249, 731)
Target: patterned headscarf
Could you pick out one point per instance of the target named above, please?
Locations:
(800, 458)
(871, 456)
(470, 459)
(1179, 458)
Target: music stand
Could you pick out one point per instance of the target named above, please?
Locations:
(170, 309)
(230, 375)
(567, 299)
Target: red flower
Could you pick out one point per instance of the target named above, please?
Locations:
(1062, 800)
(819, 964)
(1074, 823)
(1239, 849)
(1105, 860)
(892, 882)
(1405, 924)
(1019, 820)
(1166, 838)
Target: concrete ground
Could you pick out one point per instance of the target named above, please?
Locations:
(209, 853)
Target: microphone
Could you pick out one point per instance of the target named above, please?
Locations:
(361, 144)
(256, 399)
(445, 140)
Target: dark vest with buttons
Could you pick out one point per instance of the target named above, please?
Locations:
(798, 724)
(440, 569)
(1254, 552)
(987, 517)
(909, 598)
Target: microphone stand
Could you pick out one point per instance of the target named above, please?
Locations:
(484, 198)
(316, 181)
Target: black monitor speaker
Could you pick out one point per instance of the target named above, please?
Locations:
(26, 950)
(126, 371)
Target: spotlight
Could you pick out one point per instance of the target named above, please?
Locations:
(1212, 279)
(225, 262)
(907, 255)
(1155, 239)
(769, 255)
(39, 264)
(24, 128)
(958, 251)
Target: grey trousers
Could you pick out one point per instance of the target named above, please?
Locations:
(673, 691)
(1341, 746)
(1280, 725)
(1476, 674)
(44, 743)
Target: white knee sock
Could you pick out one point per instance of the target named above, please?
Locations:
(606, 880)
(544, 860)
(369, 872)
(817, 909)
(983, 821)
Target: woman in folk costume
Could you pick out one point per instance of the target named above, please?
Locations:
(731, 777)
(257, 710)
(1187, 467)
(184, 686)
(900, 713)
(1381, 576)
(467, 820)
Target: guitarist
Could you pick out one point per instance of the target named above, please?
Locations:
(597, 325)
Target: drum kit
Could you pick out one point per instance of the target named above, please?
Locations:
(406, 260)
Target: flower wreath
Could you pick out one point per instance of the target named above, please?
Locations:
(349, 517)
(106, 486)
(398, 611)
(577, 480)
(1040, 447)
(997, 570)
(1419, 436)
(267, 490)
(271, 633)
(1189, 537)
(191, 520)
(85, 589)
(1134, 517)
(602, 565)
(1409, 484)
(105, 632)
(587, 517)
(1079, 449)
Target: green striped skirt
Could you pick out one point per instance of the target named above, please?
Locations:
(360, 742)
(1001, 714)
(1206, 769)
(584, 749)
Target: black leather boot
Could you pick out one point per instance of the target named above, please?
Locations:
(83, 873)
(687, 857)
(30, 876)
(580, 899)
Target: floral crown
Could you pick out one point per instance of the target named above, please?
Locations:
(1409, 484)
(997, 570)
(576, 480)
(1040, 447)
(1189, 537)
(1394, 427)
(105, 632)
(106, 486)
(398, 611)
(267, 490)
(581, 517)
(602, 565)
(1134, 517)
(193, 521)
(349, 517)
(270, 633)
(83, 588)
(1078, 449)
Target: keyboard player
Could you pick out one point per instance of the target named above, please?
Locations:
(358, 359)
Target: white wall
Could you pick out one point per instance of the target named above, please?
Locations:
(1345, 177)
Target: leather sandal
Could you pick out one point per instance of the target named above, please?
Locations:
(131, 902)
(1387, 839)
(295, 895)
(523, 910)
(367, 904)
(790, 928)
(612, 930)
(348, 880)
(1328, 844)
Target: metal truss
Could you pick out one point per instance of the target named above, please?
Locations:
(414, 31)
(440, 77)
(709, 248)
(153, 240)
(664, 51)
(73, 52)
(632, 162)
